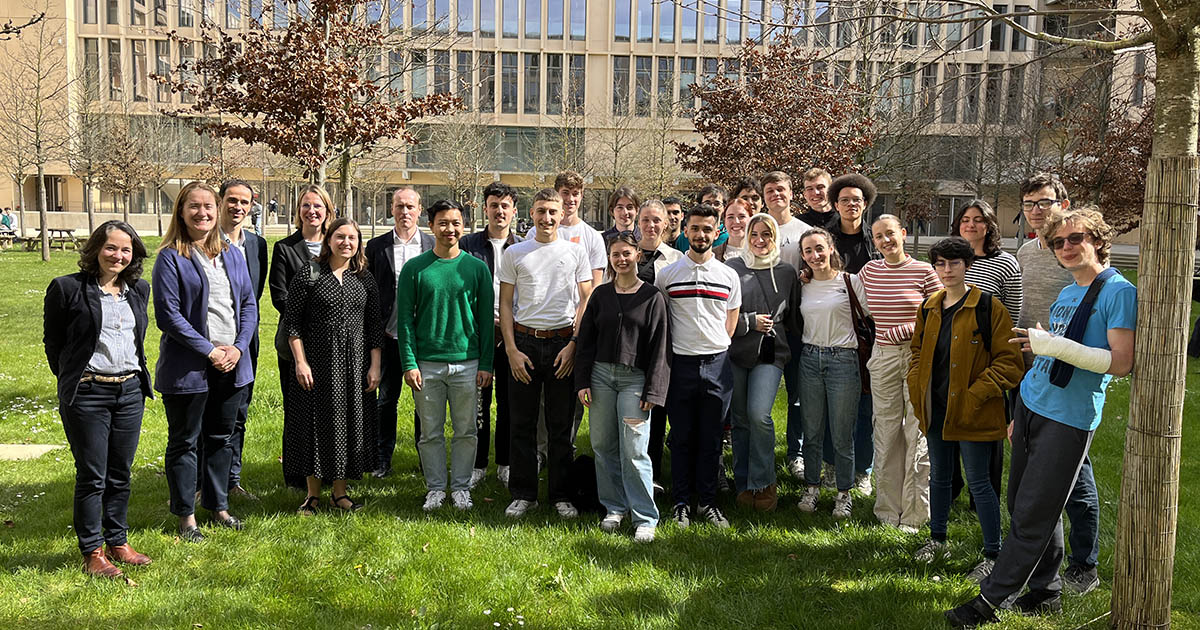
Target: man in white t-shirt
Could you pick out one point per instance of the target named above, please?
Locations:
(574, 229)
(544, 284)
(704, 297)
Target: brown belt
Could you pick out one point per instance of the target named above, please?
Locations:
(102, 378)
(566, 331)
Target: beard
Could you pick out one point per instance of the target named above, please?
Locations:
(700, 249)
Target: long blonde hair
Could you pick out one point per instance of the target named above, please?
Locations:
(177, 237)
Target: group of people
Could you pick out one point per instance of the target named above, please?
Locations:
(904, 370)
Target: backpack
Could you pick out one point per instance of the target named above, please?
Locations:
(983, 318)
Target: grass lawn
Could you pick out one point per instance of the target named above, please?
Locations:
(392, 566)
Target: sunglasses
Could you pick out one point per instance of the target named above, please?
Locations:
(1075, 239)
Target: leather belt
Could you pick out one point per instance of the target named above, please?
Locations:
(104, 378)
(566, 331)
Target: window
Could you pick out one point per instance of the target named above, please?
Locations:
(687, 20)
(645, 20)
(396, 70)
(554, 84)
(711, 21)
(512, 18)
(1014, 98)
(137, 12)
(710, 68)
(641, 97)
(666, 85)
(845, 27)
(821, 17)
(256, 12)
(419, 73)
(620, 91)
(950, 94)
(441, 16)
(114, 69)
(621, 19)
(978, 30)
(907, 87)
(576, 89)
(465, 78)
(887, 30)
(533, 83)
(911, 32)
(733, 22)
(441, 72)
(420, 15)
(374, 63)
(554, 19)
(112, 13)
(998, 28)
(993, 98)
(279, 14)
(666, 22)
(162, 67)
(465, 16)
(954, 30)
(687, 78)
(578, 19)
(508, 83)
(1019, 40)
(208, 11)
(1139, 78)
(91, 68)
(187, 59)
(754, 17)
(90, 10)
(841, 73)
(487, 18)
(928, 94)
(974, 78)
(933, 30)
(233, 13)
(533, 19)
(487, 82)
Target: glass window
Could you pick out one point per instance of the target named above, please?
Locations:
(974, 78)
(822, 15)
(464, 78)
(279, 14)
(487, 18)
(911, 32)
(687, 78)
(114, 69)
(162, 67)
(666, 85)
(978, 30)
(187, 57)
(420, 14)
(950, 94)
(620, 90)
(621, 18)
(533, 83)
(508, 83)
(800, 16)
(533, 19)
(643, 79)
(754, 17)
(1139, 79)
(90, 11)
(933, 32)
(578, 19)
(441, 72)
(733, 22)
(396, 70)
(1019, 40)
(91, 68)
(137, 12)
(954, 31)
(1014, 98)
(554, 19)
(441, 16)
(687, 21)
(845, 27)
(578, 85)
(711, 68)
(233, 13)
(374, 11)
(420, 59)
(374, 64)
(208, 10)
(993, 97)
(907, 83)
(554, 84)
(666, 22)
(928, 94)
(711, 21)
(256, 12)
(998, 28)
(645, 20)
(512, 17)
(487, 82)
(466, 17)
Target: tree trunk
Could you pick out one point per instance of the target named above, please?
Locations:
(345, 180)
(158, 209)
(124, 207)
(41, 200)
(19, 184)
(87, 205)
(1148, 509)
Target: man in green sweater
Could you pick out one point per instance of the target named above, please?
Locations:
(444, 302)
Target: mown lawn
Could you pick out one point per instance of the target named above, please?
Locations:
(392, 566)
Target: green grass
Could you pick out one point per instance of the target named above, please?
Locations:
(392, 566)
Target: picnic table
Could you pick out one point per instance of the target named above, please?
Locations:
(59, 239)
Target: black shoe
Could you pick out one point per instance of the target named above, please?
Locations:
(973, 613)
(380, 473)
(191, 534)
(1038, 602)
(232, 522)
(1080, 580)
(309, 507)
(337, 503)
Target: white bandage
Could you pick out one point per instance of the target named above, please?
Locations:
(1096, 360)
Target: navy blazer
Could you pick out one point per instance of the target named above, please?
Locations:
(181, 312)
(477, 244)
(71, 329)
(381, 265)
(256, 260)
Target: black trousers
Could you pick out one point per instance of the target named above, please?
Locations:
(524, 399)
(483, 419)
(208, 418)
(237, 441)
(1046, 457)
(102, 427)
(390, 383)
(658, 434)
(697, 401)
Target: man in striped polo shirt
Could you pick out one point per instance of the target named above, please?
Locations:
(896, 286)
(704, 297)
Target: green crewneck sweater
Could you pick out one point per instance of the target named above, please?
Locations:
(444, 311)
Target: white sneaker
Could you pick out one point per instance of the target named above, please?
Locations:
(829, 476)
(566, 510)
(477, 475)
(908, 529)
(462, 499)
(931, 550)
(611, 521)
(796, 468)
(519, 507)
(643, 534)
(713, 515)
(434, 500)
(862, 483)
(808, 502)
(842, 505)
(502, 475)
(681, 514)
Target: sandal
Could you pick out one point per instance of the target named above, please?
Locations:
(354, 507)
(309, 507)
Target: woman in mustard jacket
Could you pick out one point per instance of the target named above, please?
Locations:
(961, 365)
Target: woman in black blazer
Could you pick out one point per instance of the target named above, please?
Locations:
(94, 327)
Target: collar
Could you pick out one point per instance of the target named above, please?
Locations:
(415, 240)
(225, 237)
(704, 265)
(121, 293)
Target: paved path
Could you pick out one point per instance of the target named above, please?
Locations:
(18, 452)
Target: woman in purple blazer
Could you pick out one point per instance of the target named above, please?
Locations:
(204, 306)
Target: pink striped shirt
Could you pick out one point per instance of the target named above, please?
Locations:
(894, 293)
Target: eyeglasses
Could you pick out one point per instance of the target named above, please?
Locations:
(948, 263)
(851, 201)
(1041, 204)
(1075, 239)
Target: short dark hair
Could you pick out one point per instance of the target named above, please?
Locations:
(952, 248)
(743, 183)
(443, 205)
(703, 210)
(234, 183)
(854, 180)
(712, 189)
(673, 200)
(89, 255)
(499, 190)
(1040, 180)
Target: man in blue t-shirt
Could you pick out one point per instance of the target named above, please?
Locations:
(1057, 413)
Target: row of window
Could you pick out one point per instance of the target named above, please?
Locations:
(139, 69)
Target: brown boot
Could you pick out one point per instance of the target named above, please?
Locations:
(126, 555)
(766, 499)
(94, 563)
(745, 499)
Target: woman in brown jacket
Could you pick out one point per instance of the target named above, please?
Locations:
(961, 365)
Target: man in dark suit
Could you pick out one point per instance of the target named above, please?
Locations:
(386, 255)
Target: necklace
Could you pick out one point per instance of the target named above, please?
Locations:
(620, 288)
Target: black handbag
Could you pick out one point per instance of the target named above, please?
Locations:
(864, 331)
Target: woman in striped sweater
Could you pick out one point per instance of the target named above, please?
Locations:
(895, 288)
(994, 270)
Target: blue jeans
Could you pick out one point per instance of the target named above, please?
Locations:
(620, 433)
(754, 393)
(864, 438)
(975, 457)
(443, 383)
(1083, 508)
(791, 380)
(830, 396)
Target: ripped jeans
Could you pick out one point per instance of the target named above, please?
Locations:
(620, 433)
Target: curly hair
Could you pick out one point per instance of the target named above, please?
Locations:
(1091, 220)
(991, 241)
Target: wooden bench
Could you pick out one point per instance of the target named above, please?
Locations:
(6, 239)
